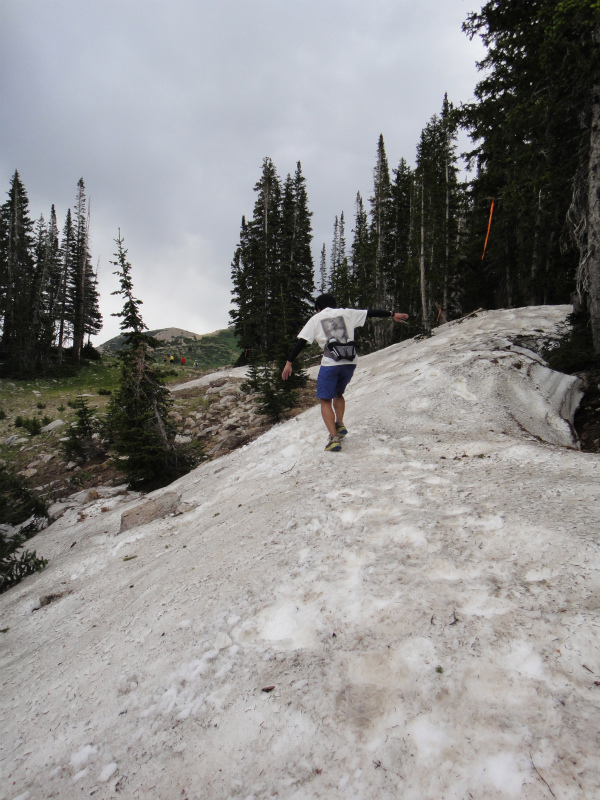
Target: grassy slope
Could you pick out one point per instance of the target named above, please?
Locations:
(23, 398)
(211, 351)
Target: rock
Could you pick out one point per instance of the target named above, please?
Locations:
(179, 439)
(45, 457)
(51, 426)
(189, 422)
(213, 390)
(14, 440)
(90, 495)
(112, 491)
(71, 465)
(176, 416)
(183, 508)
(229, 400)
(217, 382)
(150, 510)
(38, 393)
(231, 389)
(231, 424)
(56, 510)
(27, 473)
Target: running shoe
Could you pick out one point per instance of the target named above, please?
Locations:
(341, 429)
(334, 444)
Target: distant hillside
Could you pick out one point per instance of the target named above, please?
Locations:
(210, 350)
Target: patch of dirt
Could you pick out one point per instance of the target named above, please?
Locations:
(587, 416)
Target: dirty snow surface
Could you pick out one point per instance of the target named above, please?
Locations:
(424, 605)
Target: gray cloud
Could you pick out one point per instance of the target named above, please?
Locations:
(168, 108)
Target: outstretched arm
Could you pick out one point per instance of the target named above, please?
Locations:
(287, 370)
(395, 315)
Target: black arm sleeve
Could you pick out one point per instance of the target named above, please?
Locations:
(300, 345)
(377, 312)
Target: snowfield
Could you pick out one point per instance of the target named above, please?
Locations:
(423, 606)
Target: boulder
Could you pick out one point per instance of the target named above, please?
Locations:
(231, 389)
(52, 426)
(56, 510)
(217, 382)
(14, 440)
(179, 439)
(149, 510)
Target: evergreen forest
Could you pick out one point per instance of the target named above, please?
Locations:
(49, 300)
(514, 221)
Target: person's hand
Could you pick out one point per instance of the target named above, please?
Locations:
(398, 317)
(287, 371)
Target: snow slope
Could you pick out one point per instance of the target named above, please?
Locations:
(426, 604)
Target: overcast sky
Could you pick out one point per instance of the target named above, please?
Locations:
(167, 108)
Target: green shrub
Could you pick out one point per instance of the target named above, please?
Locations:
(41, 405)
(46, 420)
(2, 413)
(105, 391)
(31, 425)
(60, 408)
(18, 504)
(83, 436)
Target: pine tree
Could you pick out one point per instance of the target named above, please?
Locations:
(49, 288)
(435, 214)
(294, 276)
(363, 284)
(263, 250)
(533, 133)
(79, 278)
(381, 228)
(273, 281)
(323, 273)
(404, 278)
(83, 436)
(339, 279)
(64, 311)
(16, 276)
(138, 424)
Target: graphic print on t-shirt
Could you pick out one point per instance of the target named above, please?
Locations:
(335, 328)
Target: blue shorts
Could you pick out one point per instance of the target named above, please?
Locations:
(332, 381)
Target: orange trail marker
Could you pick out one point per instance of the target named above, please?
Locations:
(487, 236)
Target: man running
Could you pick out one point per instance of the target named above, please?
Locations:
(333, 328)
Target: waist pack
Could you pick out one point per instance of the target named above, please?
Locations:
(340, 350)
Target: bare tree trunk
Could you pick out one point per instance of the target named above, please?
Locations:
(447, 259)
(424, 303)
(593, 212)
(535, 257)
(508, 276)
(160, 424)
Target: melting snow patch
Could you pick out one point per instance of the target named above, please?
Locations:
(425, 619)
(107, 772)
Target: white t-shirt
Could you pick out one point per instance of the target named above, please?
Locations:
(333, 323)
